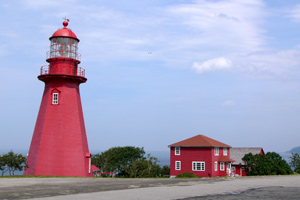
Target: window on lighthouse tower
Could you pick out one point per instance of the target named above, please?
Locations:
(55, 98)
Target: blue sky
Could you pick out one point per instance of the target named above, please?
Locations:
(227, 69)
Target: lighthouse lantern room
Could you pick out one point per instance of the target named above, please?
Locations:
(59, 144)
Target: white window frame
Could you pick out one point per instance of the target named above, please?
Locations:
(225, 151)
(216, 166)
(177, 150)
(198, 166)
(222, 166)
(55, 98)
(216, 151)
(177, 165)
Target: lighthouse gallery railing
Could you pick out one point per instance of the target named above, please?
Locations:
(63, 69)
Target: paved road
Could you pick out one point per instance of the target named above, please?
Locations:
(271, 187)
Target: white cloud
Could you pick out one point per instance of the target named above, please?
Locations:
(212, 65)
(228, 103)
(33, 4)
(177, 34)
(295, 13)
(224, 25)
(282, 64)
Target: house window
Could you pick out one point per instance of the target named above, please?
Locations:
(198, 166)
(177, 150)
(216, 166)
(222, 166)
(216, 151)
(55, 98)
(225, 151)
(177, 165)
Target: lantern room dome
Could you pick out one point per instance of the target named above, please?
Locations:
(64, 32)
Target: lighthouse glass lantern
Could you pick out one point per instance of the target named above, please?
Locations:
(59, 143)
(64, 47)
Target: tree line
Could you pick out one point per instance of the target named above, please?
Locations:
(11, 162)
(130, 162)
(133, 162)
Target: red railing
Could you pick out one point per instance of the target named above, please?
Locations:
(110, 173)
(63, 69)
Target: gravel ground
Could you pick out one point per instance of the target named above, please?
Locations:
(266, 187)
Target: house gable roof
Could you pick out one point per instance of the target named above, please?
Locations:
(237, 153)
(225, 159)
(199, 141)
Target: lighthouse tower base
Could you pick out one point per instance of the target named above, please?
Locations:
(59, 145)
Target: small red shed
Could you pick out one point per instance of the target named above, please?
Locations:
(201, 155)
(95, 168)
(237, 153)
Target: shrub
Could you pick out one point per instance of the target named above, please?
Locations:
(186, 175)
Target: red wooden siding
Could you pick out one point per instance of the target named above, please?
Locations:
(188, 155)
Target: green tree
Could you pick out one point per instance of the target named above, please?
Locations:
(101, 160)
(151, 168)
(127, 161)
(165, 171)
(146, 167)
(134, 168)
(295, 162)
(12, 162)
(3, 161)
(266, 164)
(117, 159)
(279, 165)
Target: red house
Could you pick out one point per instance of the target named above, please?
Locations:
(237, 154)
(201, 155)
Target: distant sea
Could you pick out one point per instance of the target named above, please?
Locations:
(162, 156)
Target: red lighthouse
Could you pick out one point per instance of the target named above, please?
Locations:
(59, 144)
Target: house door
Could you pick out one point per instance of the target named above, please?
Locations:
(233, 171)
(228, 169)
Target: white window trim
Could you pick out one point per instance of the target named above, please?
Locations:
(222, 166)
(195, 163)
(225, 151)
(177, 148)
(177, 168)
(55, 98)
(216, 151)
(216, 166)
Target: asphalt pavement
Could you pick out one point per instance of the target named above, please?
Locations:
(264, 187)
